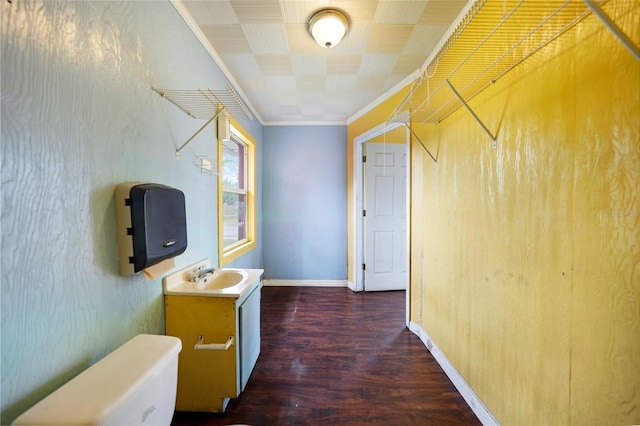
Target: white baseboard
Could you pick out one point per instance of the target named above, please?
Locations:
(304, 283)
(476, 405)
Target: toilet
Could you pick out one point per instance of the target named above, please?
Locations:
(133, 385)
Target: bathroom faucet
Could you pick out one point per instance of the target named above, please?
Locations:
(197, 275)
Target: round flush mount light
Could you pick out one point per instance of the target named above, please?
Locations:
(328, 26)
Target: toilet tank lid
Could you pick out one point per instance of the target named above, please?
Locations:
(118, 377)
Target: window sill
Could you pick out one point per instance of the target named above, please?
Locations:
(235, 252)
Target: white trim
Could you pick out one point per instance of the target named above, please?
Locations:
(476, 405)
(186, 16)
(351, 286)
(304, 283)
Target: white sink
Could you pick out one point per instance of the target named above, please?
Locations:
(222, 278)
(225, 282)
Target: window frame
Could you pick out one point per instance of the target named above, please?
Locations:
(235, 250)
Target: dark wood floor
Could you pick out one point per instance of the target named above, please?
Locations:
(333, 357)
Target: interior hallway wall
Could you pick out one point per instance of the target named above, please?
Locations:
(530, 253)
(79, 117)
(305, 202)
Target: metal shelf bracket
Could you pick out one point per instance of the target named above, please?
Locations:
(198, 131)
(615, 29)
(423, 146)
(455, 92)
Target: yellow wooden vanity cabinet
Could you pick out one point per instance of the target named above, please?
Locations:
(208, 374)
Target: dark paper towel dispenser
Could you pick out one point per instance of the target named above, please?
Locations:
(151, 225)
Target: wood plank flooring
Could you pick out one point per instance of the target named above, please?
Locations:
(333, 357)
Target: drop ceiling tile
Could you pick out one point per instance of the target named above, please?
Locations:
(356, 10)
(341, 83)
(312, 109)
(343, 64)
(399, 12)
(300, 40)
(227, 38)
(284, 98)
(385, 38)
(313, 83)
(299, 11)
(211, 13)
(406, 64)
(280, 82)
(377, 64)
(309, 64)
(442, 12)
(257, 10)
(289, 118)
(371, 83)
(423, 39)
(289, 110)
(274, 64)
(256, 84)
(242, 65)
(267, 39)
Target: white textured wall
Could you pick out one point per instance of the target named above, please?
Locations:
(79, 117)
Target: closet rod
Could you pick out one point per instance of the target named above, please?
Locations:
(626, 41)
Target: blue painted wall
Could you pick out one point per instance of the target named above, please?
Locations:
(79, 117)
(305, 202)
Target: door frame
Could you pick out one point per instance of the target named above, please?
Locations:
(358, 198)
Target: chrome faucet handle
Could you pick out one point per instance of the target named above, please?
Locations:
(199, 273)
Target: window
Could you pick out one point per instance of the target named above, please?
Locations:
(236, 209)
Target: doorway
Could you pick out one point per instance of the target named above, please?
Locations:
(358, 248)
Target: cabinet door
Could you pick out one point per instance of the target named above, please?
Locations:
(205, 377)
(249, 336)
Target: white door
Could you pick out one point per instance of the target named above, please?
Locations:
(385, 217)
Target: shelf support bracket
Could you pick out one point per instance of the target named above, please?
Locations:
(199, 130)
(455, 92)
(616, 30)
(423, 146)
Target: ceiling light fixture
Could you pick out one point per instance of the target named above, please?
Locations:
(328, 26)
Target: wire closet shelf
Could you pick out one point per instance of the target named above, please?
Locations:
(494, 37)
(206, 104)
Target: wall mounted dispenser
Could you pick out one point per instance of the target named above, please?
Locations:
(151, 225)
(224, 128)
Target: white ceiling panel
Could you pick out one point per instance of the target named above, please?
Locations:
(341, 83)
(399, 12)
(256, 11)
(204, 14)
(281, 82)
(243, 66)
(309, 64)
(267, 39)
(377, 64)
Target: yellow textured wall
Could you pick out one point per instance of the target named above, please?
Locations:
(525, 259)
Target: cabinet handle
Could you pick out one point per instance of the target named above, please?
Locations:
(200, 345)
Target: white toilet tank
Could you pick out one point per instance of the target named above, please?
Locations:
(134, 385)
